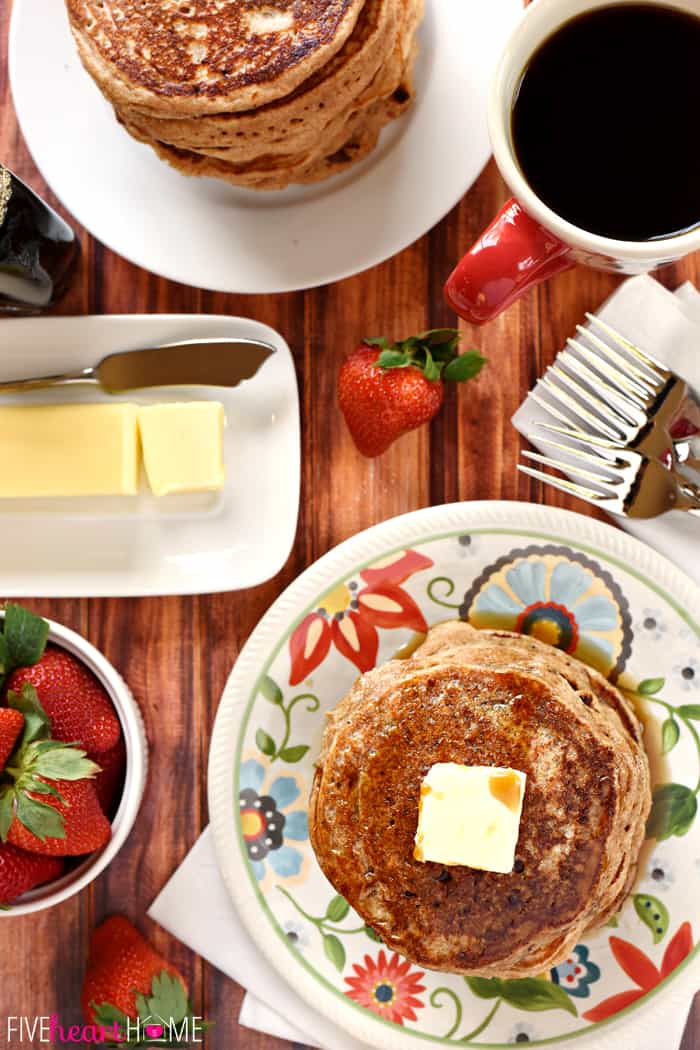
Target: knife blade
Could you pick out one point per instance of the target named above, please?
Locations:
(210, 362)
(193, 362)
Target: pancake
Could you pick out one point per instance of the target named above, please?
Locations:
(293, 123)
(482, 698)
(207, 56)
(256, 95)
(350, 143)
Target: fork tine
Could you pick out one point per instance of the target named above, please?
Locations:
(573, 471)
(652, 363)
(625, 384)
(604, 459)
(608, 414)
(631, 410)
(568, 486)
(624, 365)
(575, 409)
(606, 447)
(588, 397)
(551, 409)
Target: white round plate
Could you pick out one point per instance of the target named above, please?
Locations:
(561, 577)
(212, 235)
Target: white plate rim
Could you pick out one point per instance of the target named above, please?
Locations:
(510, 516)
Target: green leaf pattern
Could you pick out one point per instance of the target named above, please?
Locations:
(674, 806)
(334, 950)
(653, 914)
(525, 993)
(670, 733)
(337, 909)
(270, 690)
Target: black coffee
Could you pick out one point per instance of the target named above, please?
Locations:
(606, 118)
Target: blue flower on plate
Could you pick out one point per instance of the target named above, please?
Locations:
(576, 973)
(268, 823)
(558, 596)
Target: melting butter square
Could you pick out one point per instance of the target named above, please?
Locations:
(183, 446)
(69, 450)
(470, 815)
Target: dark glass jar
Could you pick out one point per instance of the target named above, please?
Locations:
(38, 250)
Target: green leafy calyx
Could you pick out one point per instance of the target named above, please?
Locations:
(434, 353)
(32, 769)
(22, 640)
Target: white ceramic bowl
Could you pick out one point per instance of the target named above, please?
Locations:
(134, 782)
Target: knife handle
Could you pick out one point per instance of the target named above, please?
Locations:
(19, 386)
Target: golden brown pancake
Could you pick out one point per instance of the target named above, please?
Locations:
(482, 698)
(298, 120)
(197, 56)
(256, 94)
(348, 143)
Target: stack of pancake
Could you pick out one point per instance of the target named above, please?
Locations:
(483, 698)
(261, 93)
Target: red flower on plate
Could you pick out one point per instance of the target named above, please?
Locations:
(641, 969)
(388, 987)
(348, 616)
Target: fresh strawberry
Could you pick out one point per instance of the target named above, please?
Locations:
(385, 390)
(79, 708)
(21, 871)
(108, 781)
(126, 976)
(67, 824)
(11, 723)
(48, 801)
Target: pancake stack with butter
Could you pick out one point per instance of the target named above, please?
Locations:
(502, 701)
(255, 93)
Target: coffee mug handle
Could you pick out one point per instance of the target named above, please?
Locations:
(511, 255)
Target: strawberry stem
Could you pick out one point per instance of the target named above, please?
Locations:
(434, 353)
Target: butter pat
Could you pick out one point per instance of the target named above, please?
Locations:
(183, 446)
(68, 450)
(470, 815)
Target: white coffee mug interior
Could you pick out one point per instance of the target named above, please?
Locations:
(541, 19)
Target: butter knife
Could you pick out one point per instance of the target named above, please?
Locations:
(193, 362)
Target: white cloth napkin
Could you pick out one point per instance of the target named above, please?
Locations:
(195, 906)
(667, 324)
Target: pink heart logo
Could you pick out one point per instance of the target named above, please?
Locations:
(153, 1031)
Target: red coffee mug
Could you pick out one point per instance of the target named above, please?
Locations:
(527, 242)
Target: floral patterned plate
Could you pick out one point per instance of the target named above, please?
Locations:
(560, 577)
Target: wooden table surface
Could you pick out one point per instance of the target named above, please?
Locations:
(177, 652)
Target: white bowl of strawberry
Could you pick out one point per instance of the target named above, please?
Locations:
(73, 759)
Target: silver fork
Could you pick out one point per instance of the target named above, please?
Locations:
(622, 393)
(618, 480)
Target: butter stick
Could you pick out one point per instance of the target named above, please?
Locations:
(183, 446)
(69, 450)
